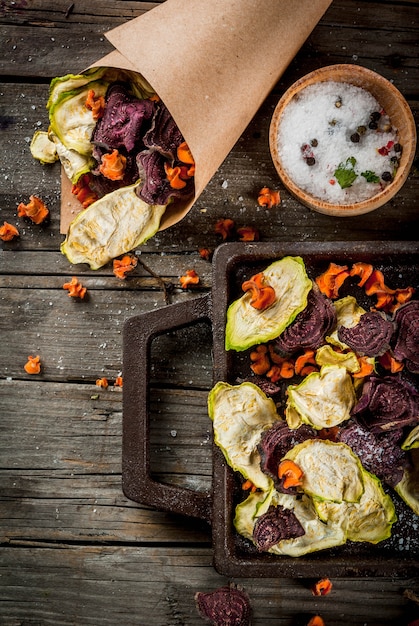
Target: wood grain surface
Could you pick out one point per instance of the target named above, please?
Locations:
(74, 549)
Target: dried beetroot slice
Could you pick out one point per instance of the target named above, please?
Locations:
(275, 443)
(380, 454)
(226, 606)
(387, 403)
(164, 135)
(406, 349)
(156, 188)
(274, 526)
(370, 337)
(123, 122)
(268, 387)
(310, 327)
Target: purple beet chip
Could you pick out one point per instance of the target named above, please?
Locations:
(370, 336)
(406, 349)
(226, 606)
(310, 327)
(276, 525)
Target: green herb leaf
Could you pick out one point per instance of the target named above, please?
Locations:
(370, 176)
(345, 174)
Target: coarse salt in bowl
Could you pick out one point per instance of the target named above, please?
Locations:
(343, 140)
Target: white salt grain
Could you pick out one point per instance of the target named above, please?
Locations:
(319, 123)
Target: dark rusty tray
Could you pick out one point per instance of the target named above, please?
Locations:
(234, 556)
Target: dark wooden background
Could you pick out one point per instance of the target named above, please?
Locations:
(74, 550)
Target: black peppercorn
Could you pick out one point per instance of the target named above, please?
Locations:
(355, 138)
(314, 143)
(394, 160)
(398, 147)
(373, 125)
(375, 116)
(386, 176)
(310, 161)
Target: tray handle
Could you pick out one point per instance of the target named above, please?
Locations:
(137, 482)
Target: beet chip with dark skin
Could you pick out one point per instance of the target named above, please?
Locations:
(124, 121)
(310, 327)
(164, 135)
(380, 454)
(387, 403)
(370, 336)
(274, 526)
(226, 606)
(276, 441)
(406, 349)
(156, 188)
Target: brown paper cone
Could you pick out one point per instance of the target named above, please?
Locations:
(212, 64)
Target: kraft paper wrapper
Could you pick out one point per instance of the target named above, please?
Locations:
(213, 64)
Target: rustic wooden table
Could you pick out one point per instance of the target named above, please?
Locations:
(75, 551)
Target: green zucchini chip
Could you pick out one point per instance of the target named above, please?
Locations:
(326, 355)
(247, 326)
(412, 439)
(71, 121)
(331, 471)
(323, 399)
(42, 148)
(111, 226)
(240, 414)
(368, 520)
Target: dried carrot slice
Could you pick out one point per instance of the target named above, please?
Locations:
(388, 361)
(291, 473)
(322, 587)
(306, 363)
(190, 278)
(113, 165)
(174, 176)
(363, 270)
(262, 294)
(121, 267)
(75, 288)
(332, 279)
(225, 227)
(366, 367)
(249, 486)
(84, 194)
(248, 233)
(8, 232)
(260, 360)
(281, 370)
(268, 197)
(102, 382)
(96, 104)
(184, 154)
(205, 253)
(36, 210)
(33, 365)
(316, 620)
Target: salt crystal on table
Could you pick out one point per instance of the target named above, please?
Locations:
(337, 144)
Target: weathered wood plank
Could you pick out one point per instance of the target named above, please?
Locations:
(53, 265)
(61, 463)
(156, 587)
(81, 340)
(346, 33)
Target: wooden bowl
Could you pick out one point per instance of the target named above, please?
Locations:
(396, 108)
